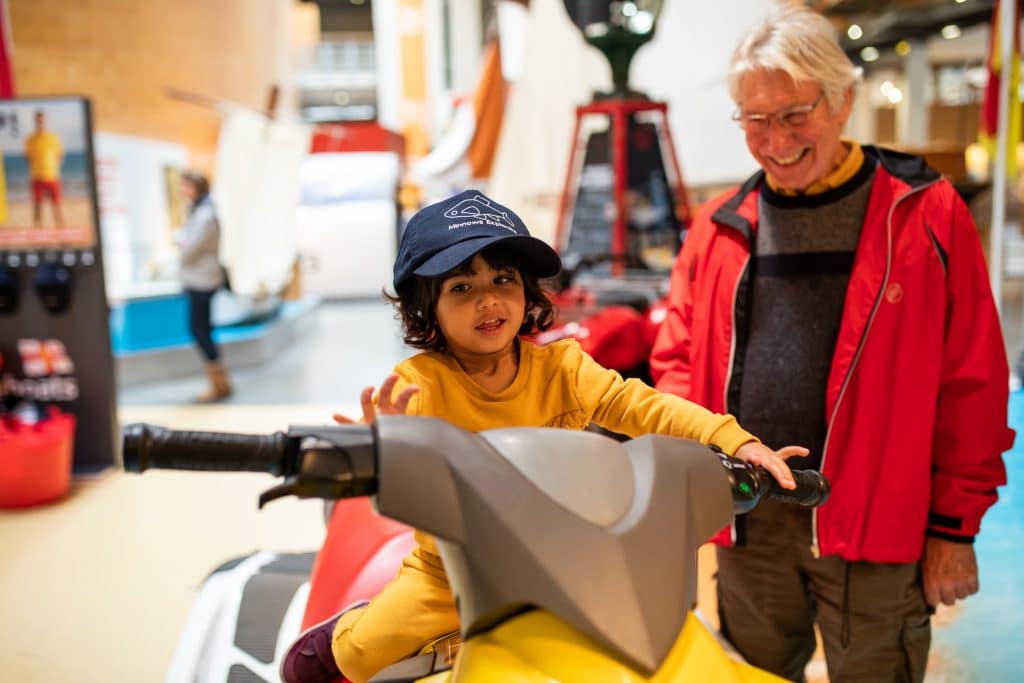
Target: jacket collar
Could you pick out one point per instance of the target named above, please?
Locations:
(910, 168)
(740, 210)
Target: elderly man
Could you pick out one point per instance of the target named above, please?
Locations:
(838, 299)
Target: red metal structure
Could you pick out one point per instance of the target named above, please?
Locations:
(619, 111)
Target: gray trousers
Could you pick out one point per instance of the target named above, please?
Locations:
(873, 618)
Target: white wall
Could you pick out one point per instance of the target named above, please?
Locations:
(465, 49)
(559, 72)
(467, 39)
(685, 65)
(134, 213)
(389, 64)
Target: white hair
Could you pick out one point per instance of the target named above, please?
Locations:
(800, 42)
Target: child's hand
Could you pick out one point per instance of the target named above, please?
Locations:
(774, 461)
(384, 406)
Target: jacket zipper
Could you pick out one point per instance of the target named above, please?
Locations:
(732, 363)
(815, 546)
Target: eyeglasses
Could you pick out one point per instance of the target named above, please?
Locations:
(788, 118)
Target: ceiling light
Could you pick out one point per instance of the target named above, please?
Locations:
(891, 92)
(976, 161)
(902, 48)
(642, 22)
(869, 54)
(959, 2)
(950, 31)
(855, 32)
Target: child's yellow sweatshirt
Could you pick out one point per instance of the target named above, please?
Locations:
(557, 385)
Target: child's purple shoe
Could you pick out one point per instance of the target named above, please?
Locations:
(309, 659)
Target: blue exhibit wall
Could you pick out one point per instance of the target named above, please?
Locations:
(160, 323)
(148, 324)
(980, 641)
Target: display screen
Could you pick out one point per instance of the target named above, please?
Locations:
(47, 185)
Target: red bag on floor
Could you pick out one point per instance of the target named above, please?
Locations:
(35, 459)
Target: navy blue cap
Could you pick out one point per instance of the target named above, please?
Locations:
(443, 236)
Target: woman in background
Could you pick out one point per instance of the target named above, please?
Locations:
(201, 276)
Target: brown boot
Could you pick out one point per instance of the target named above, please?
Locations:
(220, 385)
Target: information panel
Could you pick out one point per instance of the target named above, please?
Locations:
(47, 184)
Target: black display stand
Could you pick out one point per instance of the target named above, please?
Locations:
(54, 317)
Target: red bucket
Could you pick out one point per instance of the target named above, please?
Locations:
(35, 459)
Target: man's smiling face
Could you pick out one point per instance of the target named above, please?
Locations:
(797, 156)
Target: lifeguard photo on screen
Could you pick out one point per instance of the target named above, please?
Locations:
(46, 181)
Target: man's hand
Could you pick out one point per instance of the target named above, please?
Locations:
(384, 406)
(949, 571)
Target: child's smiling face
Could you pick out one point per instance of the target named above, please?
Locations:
(480, 311)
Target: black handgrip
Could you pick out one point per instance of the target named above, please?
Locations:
(812, 489)
(148, 446)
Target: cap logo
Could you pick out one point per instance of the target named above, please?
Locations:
(481, 212)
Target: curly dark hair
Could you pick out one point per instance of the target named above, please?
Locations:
(416, 299)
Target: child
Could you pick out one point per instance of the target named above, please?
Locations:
(466, 283)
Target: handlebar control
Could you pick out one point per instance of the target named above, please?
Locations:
(812, 489)
(148, 446)
(750, 484)
(317, 462)
(333, 462)
(340, 461)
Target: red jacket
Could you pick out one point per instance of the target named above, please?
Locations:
(917, 393)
